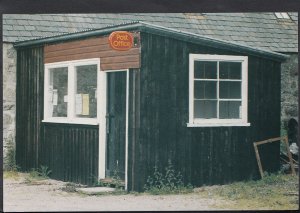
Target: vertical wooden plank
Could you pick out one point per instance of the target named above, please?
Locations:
(71, 150)
(137, 126)
(289, 155)
(258, 160)
(27, 107)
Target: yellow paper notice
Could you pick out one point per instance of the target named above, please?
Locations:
(85, 104)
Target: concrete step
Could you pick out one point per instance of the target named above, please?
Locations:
(96, 190)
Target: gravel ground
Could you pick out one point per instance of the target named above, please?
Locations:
(47, 195)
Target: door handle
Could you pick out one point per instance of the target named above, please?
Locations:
(108, 116)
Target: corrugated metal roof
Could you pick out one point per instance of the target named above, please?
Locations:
(263, 30)
(156, 29)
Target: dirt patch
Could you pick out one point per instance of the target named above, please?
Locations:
(275, 192)
(47, 195)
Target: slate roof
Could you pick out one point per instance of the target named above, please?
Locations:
(262, 30)
(158, 30)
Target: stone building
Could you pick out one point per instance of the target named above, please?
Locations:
(276, 32)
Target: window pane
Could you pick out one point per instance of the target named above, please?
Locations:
(58, 89)
(85, 97)
(205, 70)
(230, 90)
(230, 70)
(205, 89)
(205, 109)
(229, 109)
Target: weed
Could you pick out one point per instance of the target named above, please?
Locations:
(43, 171)
(116, 180)
(10, 157)
(32, 177)
(40, 173)
(166, 183)
(34, 174)
(95, 180)
(37, 174)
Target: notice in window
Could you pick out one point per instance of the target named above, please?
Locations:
(85, 104)
(78, 104)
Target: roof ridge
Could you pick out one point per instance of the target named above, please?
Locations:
(78, 31)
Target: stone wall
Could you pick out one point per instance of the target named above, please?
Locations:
(289, 89)
(9, 99)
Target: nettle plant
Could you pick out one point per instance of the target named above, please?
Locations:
(10, 157)
(168, 182)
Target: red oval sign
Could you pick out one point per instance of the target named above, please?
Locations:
(121, 40)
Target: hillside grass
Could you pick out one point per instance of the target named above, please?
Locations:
(273, 192)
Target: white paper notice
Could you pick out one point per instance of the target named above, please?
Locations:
(65, 98)
(78, 104)
(54, 97)
(85, 104)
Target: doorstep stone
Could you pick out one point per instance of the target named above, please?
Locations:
(95, 190)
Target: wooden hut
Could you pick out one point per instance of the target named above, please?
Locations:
(86, 110)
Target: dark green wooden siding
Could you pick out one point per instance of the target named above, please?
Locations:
(71, 152)
(158, 116)
(204, 155)
(134, 177)
(29, 106)
(116, 122)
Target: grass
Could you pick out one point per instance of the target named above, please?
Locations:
(168, 181)
(274, 192)
(11, 175)
(167, 190)
(36, 175)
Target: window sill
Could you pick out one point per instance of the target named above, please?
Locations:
(216, 124)
(65, 121)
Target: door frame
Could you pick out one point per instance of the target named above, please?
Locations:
(102, 131)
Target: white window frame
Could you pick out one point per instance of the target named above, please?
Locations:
(71, 117)
(199, 122)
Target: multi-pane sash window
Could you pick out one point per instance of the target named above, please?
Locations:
(70, 93)
(218, 90)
